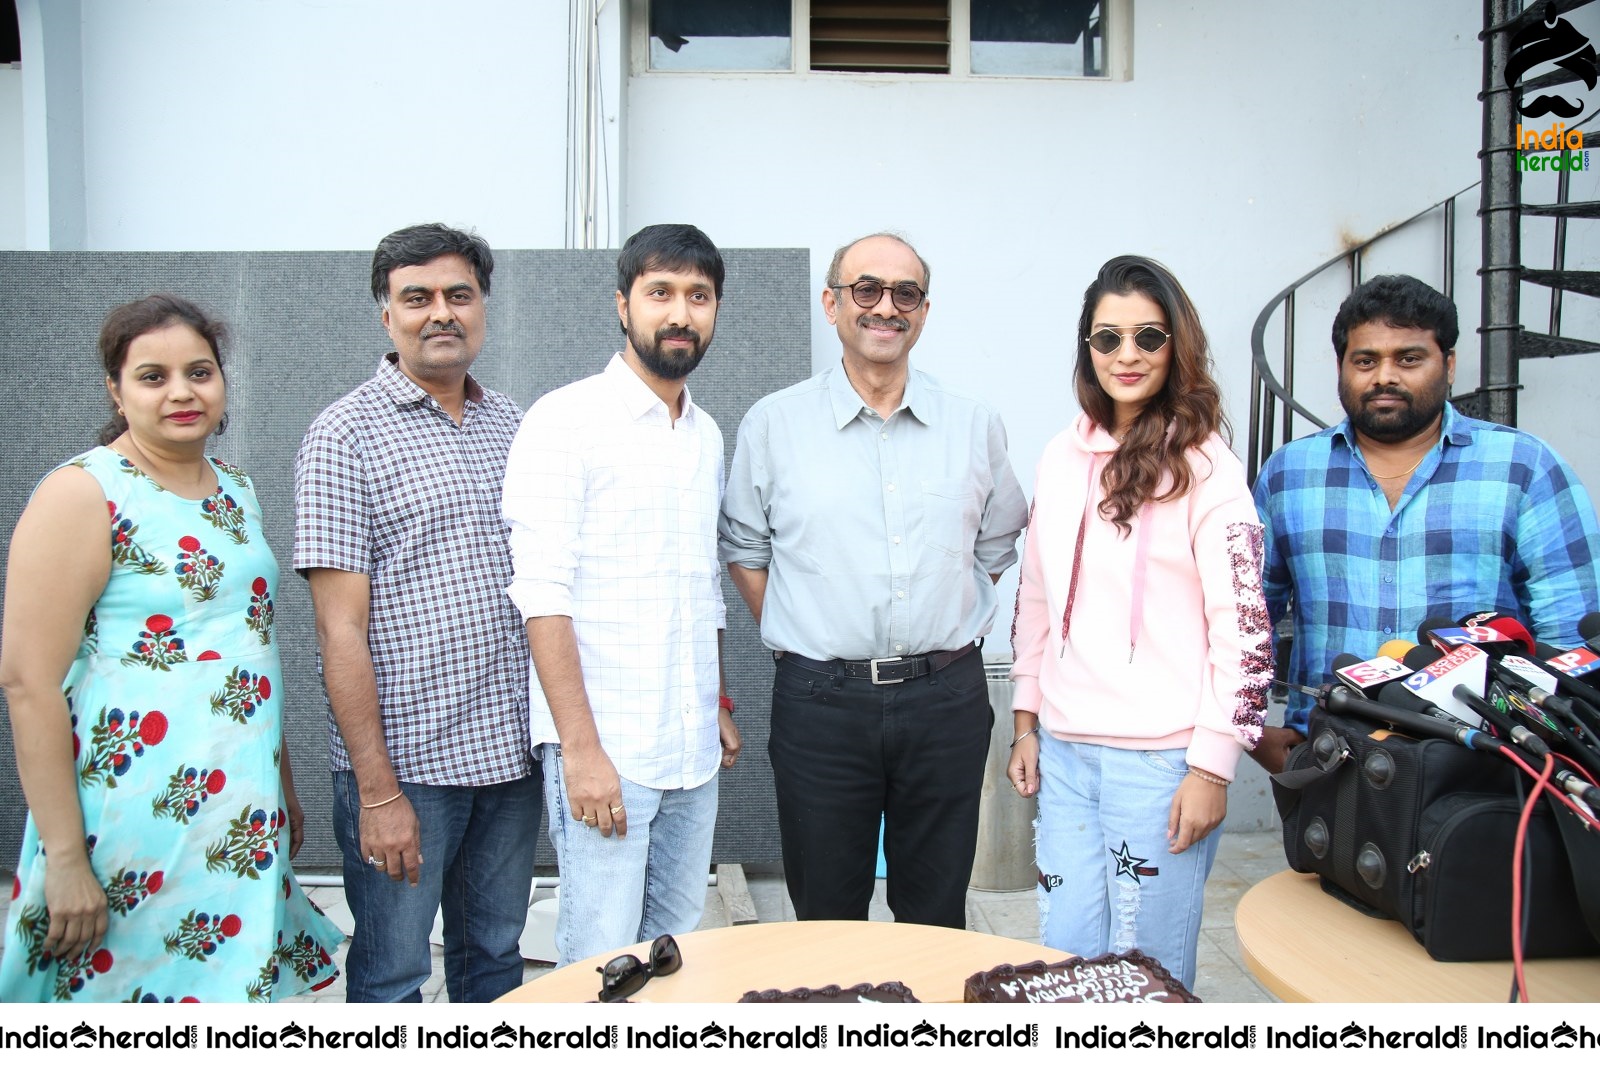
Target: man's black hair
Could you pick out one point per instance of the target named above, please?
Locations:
(416, 245)
(1397, 300)
(673, 246)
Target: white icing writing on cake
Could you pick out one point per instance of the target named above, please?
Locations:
(1099, 983)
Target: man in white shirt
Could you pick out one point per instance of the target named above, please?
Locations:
(612, 491)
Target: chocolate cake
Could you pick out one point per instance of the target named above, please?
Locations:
(865, 993)
(1115, 978)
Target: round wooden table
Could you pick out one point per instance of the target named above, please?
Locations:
(1306, 946)
(721, 965)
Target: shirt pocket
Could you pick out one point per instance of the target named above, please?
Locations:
(950, 513)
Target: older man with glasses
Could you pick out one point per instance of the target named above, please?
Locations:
(869, 512)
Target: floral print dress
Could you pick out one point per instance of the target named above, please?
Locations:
(176, 730)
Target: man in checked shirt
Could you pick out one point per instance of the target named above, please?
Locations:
(398, 529)
(1409, 510)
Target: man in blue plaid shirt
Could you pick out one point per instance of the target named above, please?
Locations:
(1409, 510)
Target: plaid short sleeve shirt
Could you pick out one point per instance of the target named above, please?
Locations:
(387, 485)
(1493, 520)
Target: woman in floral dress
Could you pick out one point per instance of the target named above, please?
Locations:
(142, 676)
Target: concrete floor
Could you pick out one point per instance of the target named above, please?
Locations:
(1243, 859)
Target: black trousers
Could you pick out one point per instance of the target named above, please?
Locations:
(845, 753)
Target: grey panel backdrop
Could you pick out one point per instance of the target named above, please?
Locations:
(306, 331)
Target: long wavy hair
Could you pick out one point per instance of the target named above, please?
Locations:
(1180, 417)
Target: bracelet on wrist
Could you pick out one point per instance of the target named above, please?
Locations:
(1024, 734)
(381, 803)
(1207, 776)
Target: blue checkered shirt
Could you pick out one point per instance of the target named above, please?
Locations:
(1493, 519)
(387, 485)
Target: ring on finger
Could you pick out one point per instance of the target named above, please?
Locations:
(376, 862)
(616, 809)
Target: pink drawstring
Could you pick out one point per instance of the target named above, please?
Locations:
(1141, 556)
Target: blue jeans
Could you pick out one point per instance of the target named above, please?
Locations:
(619, 890)
(1106, 880)
(477, 850)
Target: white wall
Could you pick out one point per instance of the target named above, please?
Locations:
(1253, 141)
(1245, 149)
(308, 124)
(13, 219)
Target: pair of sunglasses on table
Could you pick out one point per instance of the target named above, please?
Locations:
(1149, 339)
(627, 974)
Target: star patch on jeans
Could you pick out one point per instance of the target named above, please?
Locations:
(1131, 865)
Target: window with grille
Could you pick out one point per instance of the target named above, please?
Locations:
(1015, 38)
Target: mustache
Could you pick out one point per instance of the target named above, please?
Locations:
(678, 333)
(1559, 106)
(435, 329)
(896, 323)
(1387, 390)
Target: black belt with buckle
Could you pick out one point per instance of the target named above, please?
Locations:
(888, 671)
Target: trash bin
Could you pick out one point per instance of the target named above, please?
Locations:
(1004, 860)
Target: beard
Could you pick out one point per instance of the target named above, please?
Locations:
(672, 366)
(1399, 423)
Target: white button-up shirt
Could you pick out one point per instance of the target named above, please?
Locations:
(613, 515)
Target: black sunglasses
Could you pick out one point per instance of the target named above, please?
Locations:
(1107, 340)
(626, 975)
(906, 296)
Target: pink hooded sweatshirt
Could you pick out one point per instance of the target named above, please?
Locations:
(1168, 644)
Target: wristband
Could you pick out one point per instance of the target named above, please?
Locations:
(725, 702)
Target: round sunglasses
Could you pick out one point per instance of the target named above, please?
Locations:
(906, 296)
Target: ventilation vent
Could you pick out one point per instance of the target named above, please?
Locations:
(889, 36)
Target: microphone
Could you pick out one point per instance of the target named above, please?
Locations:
(1344, 702)
(1438, 673)
(1575, 785)
(1516, 637)
(1420, 718)
(1572, 667)
(1589, 630)
(1505, 639)
(1521, 736)
(1396, 648)
(1367, 676)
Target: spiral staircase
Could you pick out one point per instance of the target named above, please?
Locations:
(1275, 414)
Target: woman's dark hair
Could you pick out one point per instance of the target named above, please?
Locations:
(1180, 417)
(129, 322)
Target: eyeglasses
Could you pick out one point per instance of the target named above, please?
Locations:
(1106, 341)
(626, 975)
(907, 296)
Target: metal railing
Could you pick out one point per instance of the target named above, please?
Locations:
(1267, 389)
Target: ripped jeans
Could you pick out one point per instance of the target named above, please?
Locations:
(1106, 880)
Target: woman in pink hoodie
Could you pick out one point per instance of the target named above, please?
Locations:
(1143, 648)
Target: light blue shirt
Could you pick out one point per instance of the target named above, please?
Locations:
(879, 536)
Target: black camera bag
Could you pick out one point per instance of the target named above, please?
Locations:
(1423, 831)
